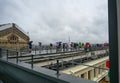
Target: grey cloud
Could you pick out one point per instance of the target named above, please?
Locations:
(51, 20)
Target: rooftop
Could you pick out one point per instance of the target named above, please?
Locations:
(9, 25)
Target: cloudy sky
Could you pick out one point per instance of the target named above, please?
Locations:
(57, 20)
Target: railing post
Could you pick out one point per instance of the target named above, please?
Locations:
(32, 61)
(0, 52)
(17, 57)
(57, 67)
(7, 55)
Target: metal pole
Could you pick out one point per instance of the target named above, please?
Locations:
(32, 61)
(57, 67)
(114, 38)
(7, 55)
(17, 58)
(0, 52)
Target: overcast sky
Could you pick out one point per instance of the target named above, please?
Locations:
(57, 20)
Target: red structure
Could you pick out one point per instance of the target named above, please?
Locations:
(87, 44)
(108, 63)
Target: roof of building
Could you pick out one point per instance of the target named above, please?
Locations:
(9, 25)
(80, 67)
(5, 26)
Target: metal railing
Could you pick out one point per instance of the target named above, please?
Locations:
(5, 53)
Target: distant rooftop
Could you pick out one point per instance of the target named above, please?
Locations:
(5, 26)
(9, 25)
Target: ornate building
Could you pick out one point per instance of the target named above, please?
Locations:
(12, 36)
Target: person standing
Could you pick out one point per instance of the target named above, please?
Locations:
(51, 46)
(87, 47)
(30, 46)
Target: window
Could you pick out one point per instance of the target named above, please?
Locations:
(89, 74)
(13, 39)
(83, 75)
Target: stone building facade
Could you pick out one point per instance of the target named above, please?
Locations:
(12, 36)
